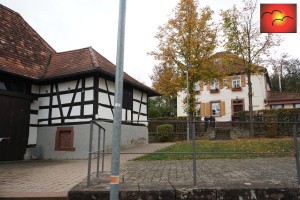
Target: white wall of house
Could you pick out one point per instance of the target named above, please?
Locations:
(227, 95)
(75, 96)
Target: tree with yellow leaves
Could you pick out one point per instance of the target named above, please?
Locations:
(243, 38)
(188, 38)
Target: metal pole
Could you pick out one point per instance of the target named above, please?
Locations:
(103, 146)
(116, 137)
(90, 155)
(187, 104)
(194, 155)
(296, 152)
(98, 151)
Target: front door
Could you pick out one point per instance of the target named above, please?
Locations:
(14, 127)
(237, 106)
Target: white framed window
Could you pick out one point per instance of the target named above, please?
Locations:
(297, 105)
(215, 109)
(214, 85)
(198, 109)
(277, 106)
(236, 82)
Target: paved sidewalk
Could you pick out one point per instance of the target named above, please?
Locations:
(54, 176)
(226, 179)
(216, 172)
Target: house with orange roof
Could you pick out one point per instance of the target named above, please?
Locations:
(48, 98)
(223, 99)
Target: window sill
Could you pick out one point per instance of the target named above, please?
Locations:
(236, 89)
(215, 91)
(65, 149)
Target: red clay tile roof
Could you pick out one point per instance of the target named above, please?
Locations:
(282, 97)
(23, 52)
(231, 64)
(86, 60)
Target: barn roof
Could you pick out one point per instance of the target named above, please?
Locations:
(25, 53)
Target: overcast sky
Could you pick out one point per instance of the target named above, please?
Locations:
(74, 24)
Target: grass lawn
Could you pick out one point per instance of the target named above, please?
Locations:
(231, 147)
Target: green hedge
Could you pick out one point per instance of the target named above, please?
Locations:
(274, 115)
(165, 133)
(174, 118)
(154, 122)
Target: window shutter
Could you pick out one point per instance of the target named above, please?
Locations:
(229, 82)
(243, 81)
(202, 109)
(201, 85)
(223, 108)
(221, 84)
(207, 109)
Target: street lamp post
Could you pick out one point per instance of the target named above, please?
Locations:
(187, 102)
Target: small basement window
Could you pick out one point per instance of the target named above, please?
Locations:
(64, 139)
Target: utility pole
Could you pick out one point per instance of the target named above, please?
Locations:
(115, 158)
(187, 103)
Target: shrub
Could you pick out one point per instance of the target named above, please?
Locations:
(272, 116)
(165, 133)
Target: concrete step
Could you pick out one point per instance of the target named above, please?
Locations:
(222, 134)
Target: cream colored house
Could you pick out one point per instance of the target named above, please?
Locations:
(224, 99)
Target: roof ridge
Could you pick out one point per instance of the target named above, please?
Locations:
(28, 26)
(93, 57)
(49, 56)
(10, 10)
(68, 51)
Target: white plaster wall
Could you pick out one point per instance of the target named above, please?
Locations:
(33, 119)
(144, 109)
(145, 98)
(34, 105)
(78, 120)
(288, 106)
(88, 109)
(75, 111)
(137, 94)
(136, 106)
(89, 95)
(129, 114)
(123, 114)
(102, 84)
(64, 86)
(45, 89)
(55, 112)
(103, 98)
(43, 114)
(44, 101)
(35, 89)
(110, 85)
(104, 113)
(89, 82)
(32, 135)
(46, 139)
(180, 106)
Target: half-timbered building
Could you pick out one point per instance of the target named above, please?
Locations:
(48, 99)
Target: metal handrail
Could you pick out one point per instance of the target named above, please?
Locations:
(98, 151)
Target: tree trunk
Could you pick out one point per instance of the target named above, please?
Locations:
(250, 94)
